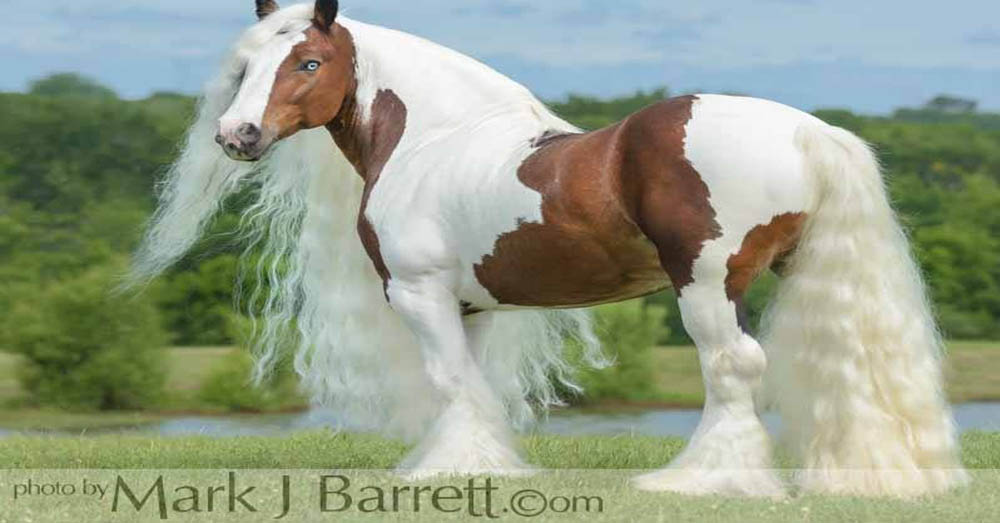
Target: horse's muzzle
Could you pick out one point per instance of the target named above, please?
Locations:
(246, 143)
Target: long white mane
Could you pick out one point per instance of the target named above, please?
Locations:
(320, 293)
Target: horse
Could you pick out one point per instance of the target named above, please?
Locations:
(431, 235)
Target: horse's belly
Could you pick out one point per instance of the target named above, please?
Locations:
(541, 265)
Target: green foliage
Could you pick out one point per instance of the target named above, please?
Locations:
(229, 387)
(64, 153)
(593, 113)
(70, 84)
(198, 302)
(77, 168)
(86, 348)
(629, 331)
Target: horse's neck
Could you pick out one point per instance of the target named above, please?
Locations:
(443, 91)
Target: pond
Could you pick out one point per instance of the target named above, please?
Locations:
(969, 416)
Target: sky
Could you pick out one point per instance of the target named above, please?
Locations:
(870, 56)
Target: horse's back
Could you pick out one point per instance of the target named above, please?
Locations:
(743, 149)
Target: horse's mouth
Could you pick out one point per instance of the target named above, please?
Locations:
(251, 154)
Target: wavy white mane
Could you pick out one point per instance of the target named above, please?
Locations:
(320, 292)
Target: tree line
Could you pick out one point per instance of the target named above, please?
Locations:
(78, 167)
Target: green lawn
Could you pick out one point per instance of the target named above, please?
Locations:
(601, 465)
(973, 371)
(304, 457)
(190, 366)
(329, 450)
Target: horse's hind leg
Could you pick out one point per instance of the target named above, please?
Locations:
(729, 452)
(471, 434)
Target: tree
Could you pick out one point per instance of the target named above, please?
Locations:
(70, 84)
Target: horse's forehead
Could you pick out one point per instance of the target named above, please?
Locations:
(265, 40)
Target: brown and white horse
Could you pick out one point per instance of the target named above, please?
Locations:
(431, 254)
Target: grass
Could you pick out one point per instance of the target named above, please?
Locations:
(187, 369)
(9, 387)
(325, 449)
(610, 460)
(678, 376)
(972, 369)
(972, 373)
(190, 366)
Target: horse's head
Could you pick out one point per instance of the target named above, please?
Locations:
(292, 80)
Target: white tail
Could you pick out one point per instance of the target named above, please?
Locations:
(854, 354)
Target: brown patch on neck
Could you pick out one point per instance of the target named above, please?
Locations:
(368, 145)
(762, 247)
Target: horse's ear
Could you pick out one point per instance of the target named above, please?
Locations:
(266, 7)
(326, 13)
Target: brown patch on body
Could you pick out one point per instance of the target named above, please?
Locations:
(672, 201)
(622, 210)
(368, 145)
(762, 247)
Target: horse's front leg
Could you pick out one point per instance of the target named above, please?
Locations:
(471, 434)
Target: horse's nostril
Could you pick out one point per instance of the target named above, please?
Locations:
(219, 139)
(248, 133)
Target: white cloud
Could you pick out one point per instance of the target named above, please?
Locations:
(174, 45)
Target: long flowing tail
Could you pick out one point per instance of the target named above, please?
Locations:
(853, 350)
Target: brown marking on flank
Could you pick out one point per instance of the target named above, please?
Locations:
(762, 247)
(622, 211)
(671, 200)
(368, 145)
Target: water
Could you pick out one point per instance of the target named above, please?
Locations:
(969, 416)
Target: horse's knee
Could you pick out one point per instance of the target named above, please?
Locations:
(734, 371)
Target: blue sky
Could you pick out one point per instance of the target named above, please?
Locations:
(867, 55)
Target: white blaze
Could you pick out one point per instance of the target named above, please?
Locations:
(258, 80)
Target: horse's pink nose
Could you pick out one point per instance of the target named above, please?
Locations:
(248, 133)
(241, 142)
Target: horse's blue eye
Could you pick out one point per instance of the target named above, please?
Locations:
(311, 65)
